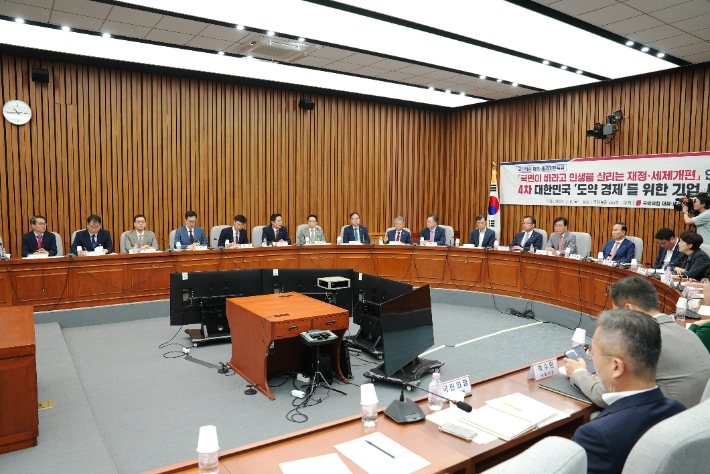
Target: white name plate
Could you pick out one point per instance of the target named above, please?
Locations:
(201, 247)
(574, 256)
(505, 249)
(37, 255)
(394, 242)
(354, 242)
(543, 370)
(462, 384)
(608, 262)
(281, 244)
(429, 243)
(320, 242)
(469, 246)
(540, 252)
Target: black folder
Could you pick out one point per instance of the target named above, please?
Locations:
(562, 385)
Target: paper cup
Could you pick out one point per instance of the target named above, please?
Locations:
(367, 394)
(579, 337)
(207, 441)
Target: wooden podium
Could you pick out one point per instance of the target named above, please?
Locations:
(257, 321)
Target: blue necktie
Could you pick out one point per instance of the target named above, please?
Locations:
(192, 239)
(93, 242)
(357, 237)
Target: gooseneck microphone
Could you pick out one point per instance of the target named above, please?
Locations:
(167, 249)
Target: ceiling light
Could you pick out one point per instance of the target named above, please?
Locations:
(270, 33)
(546, 62)
(462, 93)
(482, 76)
(19, 20)
(66, 28)
(499, 80)
(301, 39)
(660, 55)
(563, 67)
(250, 57)
(629, 43)
(579, 71)
(645, 49)
(447, 91)
(240, 27)
(221, 53)
(515, 84)
(431, 88)
(106, 35)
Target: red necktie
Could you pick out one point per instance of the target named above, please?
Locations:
(560, 243)
(39, 241)
(431, 235)
(397, 237)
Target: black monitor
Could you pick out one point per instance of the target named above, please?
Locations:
(407, 329)
(305, 281)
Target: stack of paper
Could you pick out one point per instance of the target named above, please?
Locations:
(525, 408)
(378, 454)
(498, 423)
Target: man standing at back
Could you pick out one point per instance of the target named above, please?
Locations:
(684, 365)
(625, 350)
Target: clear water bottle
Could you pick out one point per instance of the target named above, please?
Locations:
(421, 240)
(308, 240)
(208, 463)
(178, 246)
(457, 242)
(135, 248)
(2, 252)
(600, 257)
(495, 244)
(381, 241)
(680, 308)
(567, 252)
(435, 387)
(669, 276)
(263, 242)
(532, 249)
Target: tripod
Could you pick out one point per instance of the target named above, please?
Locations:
(315, 383)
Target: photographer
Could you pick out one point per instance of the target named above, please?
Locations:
(702, 221)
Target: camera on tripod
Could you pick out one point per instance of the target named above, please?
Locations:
(688, 200)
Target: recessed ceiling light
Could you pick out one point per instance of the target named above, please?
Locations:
(66, 28)
(301, 39)
(221, 53)
(579, 71)
(431, 88)
(106, 35)
(19, 20)
(270, 33)
(482, 76)
(447, 91)
(546, 62)
(515, 84)
(629, 43)
(499, 80)
(660, 55)
(240, 27)
(563, 67)
(645, 49)
(462, 93)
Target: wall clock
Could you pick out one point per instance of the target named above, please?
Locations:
(17, 112)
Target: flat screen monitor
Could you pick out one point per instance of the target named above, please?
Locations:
(407, 329)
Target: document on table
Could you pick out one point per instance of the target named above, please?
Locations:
(326, 464)
(454, 415)
(399, 459)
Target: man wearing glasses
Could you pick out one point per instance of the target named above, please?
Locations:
(38, 241)
(91, 238)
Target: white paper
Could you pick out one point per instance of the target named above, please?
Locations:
(453, 415)
(375, 461)
(704, 311)
(326, 464)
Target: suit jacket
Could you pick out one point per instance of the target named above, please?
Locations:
(568, 240)
(489, 237)
(182, 236)
(131, 239)
(228, 234)
(697, 264)
(535, 239)
(625, 252)
(439, 235)
(662, 255)
(83, 239)
(405, 237)
(682, 372)
(29, 243)
(268, 234)
(306, 232)
(349, 234)
(608, 438)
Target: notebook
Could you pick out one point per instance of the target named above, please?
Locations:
(561, 385)
(521, 406)
(497, 423)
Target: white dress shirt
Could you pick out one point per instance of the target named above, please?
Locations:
(612, 397)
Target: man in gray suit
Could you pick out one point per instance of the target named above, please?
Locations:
(684, 366)
(139, 237)
(313, 232)
(569, 240)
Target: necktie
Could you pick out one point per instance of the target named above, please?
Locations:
(313, 235)
(236, 237)
(525, 239)
(276, 235)
(93, 242)
(357, 236)
(140, 241)
(613, 251)
(560, 243)
(192, 238)
(39, 241)
(431, 234)
(397, 236)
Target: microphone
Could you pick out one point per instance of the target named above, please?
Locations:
(168, 249)
(221, 247)
(462, 405)
(70, 255)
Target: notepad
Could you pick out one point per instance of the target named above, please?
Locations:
(523, 407)
(498, 423)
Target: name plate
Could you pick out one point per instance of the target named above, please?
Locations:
(281, 244)
(574, 256)
(429, 243)
(200, 247)
(320, 242)
(354, 242)
(394, 242)
(246, 246)
(469, 246)
(607, 262)
(37, 255)
(540, 252)
(543, 370)
(505, 249)
(462, 384)
(95, 253)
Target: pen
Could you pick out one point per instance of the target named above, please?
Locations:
(511, 406)
(374, 445)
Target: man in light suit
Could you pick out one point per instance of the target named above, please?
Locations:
(432, 232)
(528, 236)
(92, 237)
(356, 232)
(190, 236)
(625, 351)
(562, 239)
(482, 236)
(398, 234)
(38, 240)
(667, 248)
(276, 232)
(619, 248)
(684, 364)
(236, 234)
(139, 237)
(313, 232)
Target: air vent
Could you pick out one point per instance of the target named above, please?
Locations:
(283, 51)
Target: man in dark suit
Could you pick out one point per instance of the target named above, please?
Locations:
(482, 236)
(528, 236)
(356, 232)
(619, 248)
(190, 235)
(625, 351)
(38, 240)
(399, 233)
(433, 232)
(236, 235)
(667, 247)
(94, 236)
(276, 232)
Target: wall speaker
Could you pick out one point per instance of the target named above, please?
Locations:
(306, 104)
(40, 74)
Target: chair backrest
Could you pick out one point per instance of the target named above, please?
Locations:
(544, 237)
(256, 233)
(552, 455)
(638, 243)
(122, 242)
(214, 235)
(705, 248)
(60, 246)
(678, 444)
(706, 393)
(73, 235)
(342, 231)
(171, 239)
(449, 234)
(299, 228)
(584, 243)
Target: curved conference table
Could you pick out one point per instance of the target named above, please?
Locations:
(63, 282)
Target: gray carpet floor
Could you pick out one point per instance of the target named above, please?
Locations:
(120, 406)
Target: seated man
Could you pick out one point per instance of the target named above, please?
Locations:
(398, 234)
(355, 232)
(276, 232)
(190, 236)
(625, 350)
(619, 248)
(313, 232)
(482, 236)
(684, 364)
(92, 237)
(432, 232)
(528, 236)
(139, 237)
(562, 239)
(38, 240)
(667, 248)
(237, 234)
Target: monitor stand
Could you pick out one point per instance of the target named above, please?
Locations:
(410, 373)
(373, 348)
